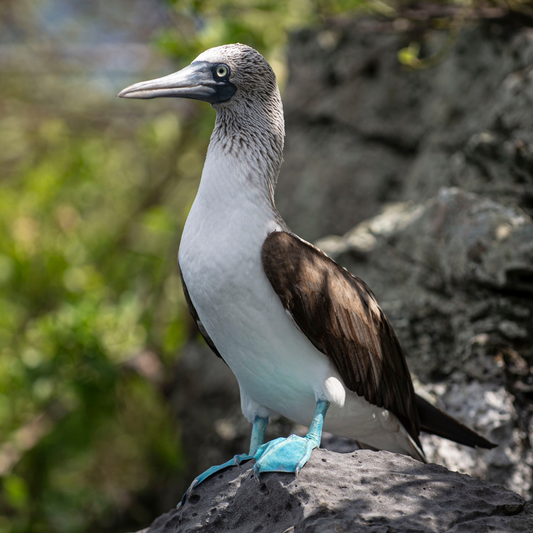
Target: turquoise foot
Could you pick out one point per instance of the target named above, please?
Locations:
(284, 455)
(291, 454)
(236, 461)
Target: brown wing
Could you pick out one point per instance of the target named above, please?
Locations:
(196, 318)
(341, 317)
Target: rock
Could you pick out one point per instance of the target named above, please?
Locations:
(451, 258)
(362, 130)
(363, 491)
(454, 239)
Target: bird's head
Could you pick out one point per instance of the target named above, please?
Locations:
(222, 76)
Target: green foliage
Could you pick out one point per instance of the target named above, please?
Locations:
(89, 290)
(93, 194)
(262, 24)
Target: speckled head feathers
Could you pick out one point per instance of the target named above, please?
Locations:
(250, 71)
(250, 124)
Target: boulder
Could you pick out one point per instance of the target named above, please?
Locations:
(454, 276)
(364, 130)
(364, 491)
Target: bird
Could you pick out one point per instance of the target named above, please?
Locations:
(305, 338)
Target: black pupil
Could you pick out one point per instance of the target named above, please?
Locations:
(221, 71)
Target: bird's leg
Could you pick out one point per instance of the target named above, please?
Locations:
(258, 434)
(256, 440)
(291, 454)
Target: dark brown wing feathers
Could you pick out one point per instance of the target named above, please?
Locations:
(341, 317)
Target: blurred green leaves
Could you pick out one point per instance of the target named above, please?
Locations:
(92, 200)
(88, 287)
(262, 24)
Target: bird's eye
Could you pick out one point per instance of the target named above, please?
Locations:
(221, 71)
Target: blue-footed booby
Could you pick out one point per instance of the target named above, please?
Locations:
(305, 338)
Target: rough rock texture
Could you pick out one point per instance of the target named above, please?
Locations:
(451, 261)
(363, 130)
(360, 492)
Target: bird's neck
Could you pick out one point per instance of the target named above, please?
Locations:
(234, 208)
(248, 142)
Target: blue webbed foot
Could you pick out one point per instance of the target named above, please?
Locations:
(284, 455)
(291, 454)
(236, 461)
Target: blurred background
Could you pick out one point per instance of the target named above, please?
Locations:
(94, 192)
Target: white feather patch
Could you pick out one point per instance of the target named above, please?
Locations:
(335, 391)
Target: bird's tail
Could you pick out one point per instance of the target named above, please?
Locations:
(437, 422)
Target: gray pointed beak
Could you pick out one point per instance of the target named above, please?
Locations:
(195, 81)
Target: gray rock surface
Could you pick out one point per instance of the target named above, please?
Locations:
(360, 492)
(363, 130)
